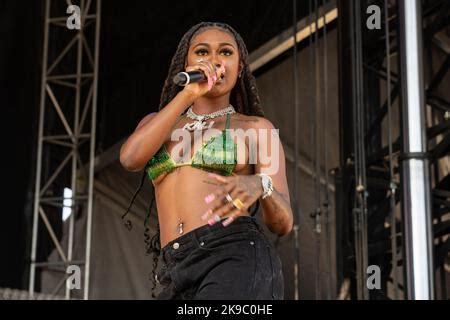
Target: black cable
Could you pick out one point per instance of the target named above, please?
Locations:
(317, 195)
(392, 184)
(360, 189)
(361, 164)
(296, 149)
(356, 156)
(326, 203)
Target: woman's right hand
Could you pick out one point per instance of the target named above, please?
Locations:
(198, 89)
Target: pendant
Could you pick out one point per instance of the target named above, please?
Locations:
(197, 125)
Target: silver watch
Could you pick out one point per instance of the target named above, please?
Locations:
(266, 182)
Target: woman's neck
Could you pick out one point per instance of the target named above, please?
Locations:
(204, 105)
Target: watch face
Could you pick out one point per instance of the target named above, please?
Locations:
(268, 183)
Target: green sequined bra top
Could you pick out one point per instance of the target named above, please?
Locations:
(218, 155)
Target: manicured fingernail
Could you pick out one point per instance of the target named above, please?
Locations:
(228, 221)
(210, 83)
(209, 198)
(217, 177)
(206, 214)
(215, 78)
(213, 220)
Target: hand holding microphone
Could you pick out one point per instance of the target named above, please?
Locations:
(200, 78)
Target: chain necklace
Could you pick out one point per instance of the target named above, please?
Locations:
(199, 123)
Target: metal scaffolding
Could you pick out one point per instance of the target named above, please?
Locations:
(66, 137)
(416, 173)
(388, 152)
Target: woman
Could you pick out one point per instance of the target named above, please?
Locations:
(212, 247)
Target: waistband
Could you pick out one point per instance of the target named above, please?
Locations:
(242, 223)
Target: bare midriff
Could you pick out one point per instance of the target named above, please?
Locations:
(180, 196)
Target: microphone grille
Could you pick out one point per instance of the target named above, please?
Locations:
(180, 79)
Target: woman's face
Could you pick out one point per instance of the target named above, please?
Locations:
(217, 46)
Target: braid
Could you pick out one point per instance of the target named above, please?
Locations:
(127, 223)
(244, 97)
(152, 245)
(156, 251)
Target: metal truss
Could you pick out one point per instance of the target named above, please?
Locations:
(66, 140)
(381, 220)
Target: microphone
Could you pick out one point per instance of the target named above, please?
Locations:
(184, 78)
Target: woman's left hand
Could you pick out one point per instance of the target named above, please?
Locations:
(244, 191)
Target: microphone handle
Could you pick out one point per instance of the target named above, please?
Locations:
(184, 78)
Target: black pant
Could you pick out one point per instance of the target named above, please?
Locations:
(217, 262)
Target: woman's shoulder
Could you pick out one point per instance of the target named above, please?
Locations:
(255, 122)
(146, 119)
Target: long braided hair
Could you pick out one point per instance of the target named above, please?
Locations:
(244, 97)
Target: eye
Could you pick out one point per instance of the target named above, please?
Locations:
(201, 52)
(227, 52)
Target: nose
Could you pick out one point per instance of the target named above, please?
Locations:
(215, 60)
(217, 65)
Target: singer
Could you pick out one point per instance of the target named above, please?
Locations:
(211, 245)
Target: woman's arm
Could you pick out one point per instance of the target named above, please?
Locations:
(276, 208)
(154, 129)
(151, 133)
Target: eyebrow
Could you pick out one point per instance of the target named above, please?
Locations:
(220, 44)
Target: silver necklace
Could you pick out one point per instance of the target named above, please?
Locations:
(199, 123)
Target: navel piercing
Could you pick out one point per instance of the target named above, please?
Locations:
(180, 227)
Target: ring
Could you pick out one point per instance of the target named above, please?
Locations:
(229, 198)
(238, 204)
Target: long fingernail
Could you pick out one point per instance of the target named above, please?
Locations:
(206, 214)
(213, 220)
(228, 221)
(210, 83)
(209, 198)
(220, 178)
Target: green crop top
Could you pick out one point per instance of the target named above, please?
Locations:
(218, 155)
